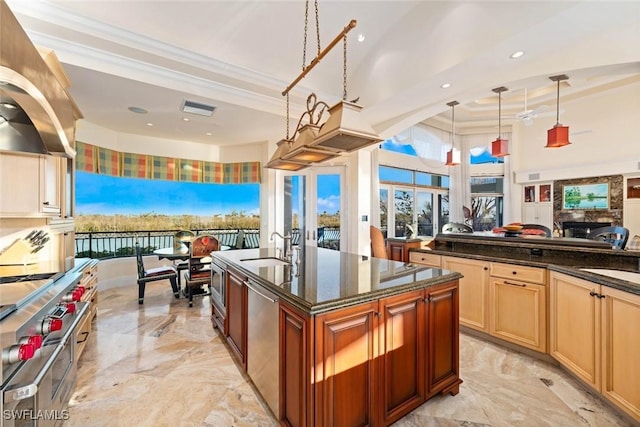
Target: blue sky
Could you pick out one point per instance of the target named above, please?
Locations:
(108, 195)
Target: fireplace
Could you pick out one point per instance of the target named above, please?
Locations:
(580, 229)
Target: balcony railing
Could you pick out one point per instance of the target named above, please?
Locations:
(113, 244)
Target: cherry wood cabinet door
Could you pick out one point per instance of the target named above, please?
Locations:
(402, 354)
(346, 367)
(237, 314)
(296, 398)
(442, 339)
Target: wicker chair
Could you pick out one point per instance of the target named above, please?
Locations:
(616, 236)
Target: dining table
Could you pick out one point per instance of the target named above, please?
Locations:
(173, 254)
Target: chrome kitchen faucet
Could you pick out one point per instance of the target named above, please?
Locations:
(286, 253)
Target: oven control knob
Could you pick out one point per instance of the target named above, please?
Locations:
(18, 352)
(71, 307)
(51, 325)
(34, 340)
(82, 289)
(72, 296)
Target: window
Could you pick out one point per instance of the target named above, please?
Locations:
(487, 202)
(420, 202)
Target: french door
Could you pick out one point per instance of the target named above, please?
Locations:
(313, 207)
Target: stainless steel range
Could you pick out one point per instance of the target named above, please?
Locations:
(39, 316)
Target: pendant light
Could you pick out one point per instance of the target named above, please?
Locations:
(453, 155)
(500, 147)
(558, 135)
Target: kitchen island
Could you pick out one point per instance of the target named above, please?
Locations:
(340, 339)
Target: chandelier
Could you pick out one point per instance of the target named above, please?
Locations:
(453, 155)
(558, 135)
(343, 131)
(500, 147)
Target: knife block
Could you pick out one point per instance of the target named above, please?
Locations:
(18, 253)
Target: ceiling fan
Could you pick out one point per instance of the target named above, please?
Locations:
(527, 115)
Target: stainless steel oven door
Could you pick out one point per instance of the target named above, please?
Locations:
(218, 287)
(38, 393)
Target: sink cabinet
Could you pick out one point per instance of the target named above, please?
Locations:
(593, 334)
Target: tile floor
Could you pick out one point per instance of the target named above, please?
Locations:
(162, 364)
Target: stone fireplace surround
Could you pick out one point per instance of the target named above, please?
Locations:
(611, 216)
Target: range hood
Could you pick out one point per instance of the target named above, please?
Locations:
(37, 115)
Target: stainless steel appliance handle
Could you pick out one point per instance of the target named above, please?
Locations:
(261, 294)
(31, 389)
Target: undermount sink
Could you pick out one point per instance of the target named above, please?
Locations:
(629, 276)
(263, 262)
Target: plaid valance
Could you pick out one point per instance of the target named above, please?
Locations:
(91, 158)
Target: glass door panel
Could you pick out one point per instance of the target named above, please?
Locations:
(294, 207)
(425, 213)
(384, 211)
(328, 210)
(404, 206)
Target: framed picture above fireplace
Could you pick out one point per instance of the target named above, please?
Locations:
(585, 196)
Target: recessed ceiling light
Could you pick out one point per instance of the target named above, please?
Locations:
(208, 134)
(186, 119)
(517, 54)
(445, 85)
(138, 110)
(361, 37)
(149, 124)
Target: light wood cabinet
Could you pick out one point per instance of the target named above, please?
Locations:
(30, 185)
(474, 290)
(422, 258)
(593, 333)
(517, 305)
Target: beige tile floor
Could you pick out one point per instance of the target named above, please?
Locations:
(162, 364)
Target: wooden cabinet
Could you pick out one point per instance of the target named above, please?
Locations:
(517, 296)
(474, 290)
(346, 352)
(368, 364)
(89, 281)
(537, 206)
(403, 349)
(398, 248)
(30, 185)
(423, 258)
(593, 334)
(237, 314)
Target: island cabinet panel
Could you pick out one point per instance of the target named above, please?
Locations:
(237, 314)
(402, 354)
(442, 327)
(296, 398)
(346, 352)
(474, 291)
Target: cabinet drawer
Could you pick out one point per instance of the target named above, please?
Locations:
(519, 272)
(425, 259)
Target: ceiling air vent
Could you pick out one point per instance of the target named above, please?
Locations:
(198, 108)
(534, 176)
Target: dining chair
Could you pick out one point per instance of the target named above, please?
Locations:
(181, 241)
(154, 274)
(378, 245)
(615, 235)
(456, 227)
(536, 229)
(198, 275)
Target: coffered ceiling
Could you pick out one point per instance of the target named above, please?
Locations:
(238, 56)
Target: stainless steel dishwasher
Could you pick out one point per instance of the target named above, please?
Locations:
(263, 343)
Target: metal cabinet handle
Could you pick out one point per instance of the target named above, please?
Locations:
(506, 282)
(273, 300)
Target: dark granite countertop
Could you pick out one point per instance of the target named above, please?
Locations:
(556, 254)
(321, 280)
